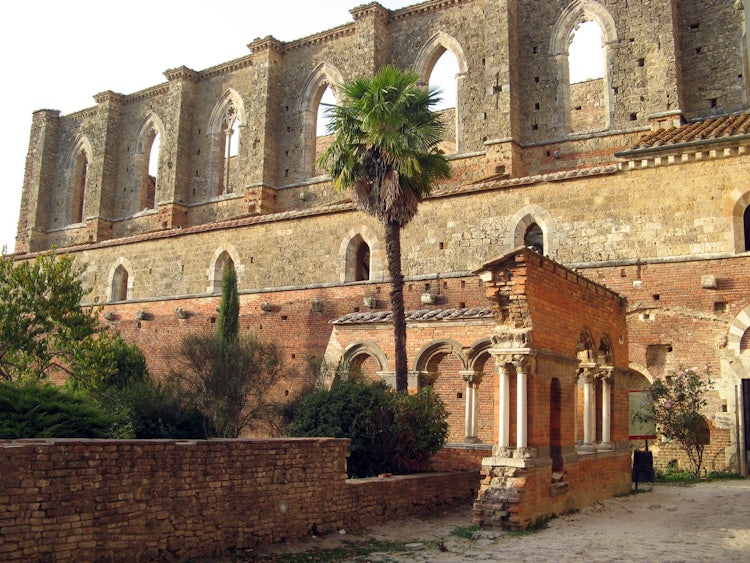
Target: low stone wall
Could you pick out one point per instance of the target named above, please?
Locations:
(85, 500)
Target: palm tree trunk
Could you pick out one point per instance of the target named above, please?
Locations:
(393, 253)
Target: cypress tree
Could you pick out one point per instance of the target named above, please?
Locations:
(229, 311)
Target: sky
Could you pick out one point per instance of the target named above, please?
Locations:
(59, 54)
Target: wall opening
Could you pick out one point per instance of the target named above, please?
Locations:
(322, 121)
(444, 76)
(150, 172)
(555, 425)
(586, 78)
(746, 227)
(231, 150)
(223, 263)
(534, 238)
(119, 289)
(80, 173)
(358, 259)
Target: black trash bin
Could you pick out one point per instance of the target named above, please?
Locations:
(643, 467)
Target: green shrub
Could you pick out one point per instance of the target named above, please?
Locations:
(148, 410)
(34, 410)
(389, 432)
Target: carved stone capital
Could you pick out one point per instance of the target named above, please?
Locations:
(507, 339)
(469, 377)
(520, 362)
(587, 373)
(606, 374)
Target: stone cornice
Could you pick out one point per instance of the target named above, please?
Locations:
(82, 114)
(146, 93)
(223, 68)
(108, 97)
(267, 43)
(322, 37)
(181, 73)
(371, 9)
(433, 6)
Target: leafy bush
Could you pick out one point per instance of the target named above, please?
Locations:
(677, 404)
(389, 432)
(34, 410)
(111, 363)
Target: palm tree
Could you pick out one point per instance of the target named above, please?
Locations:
(385, 149)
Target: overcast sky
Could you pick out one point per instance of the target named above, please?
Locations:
(58, 54)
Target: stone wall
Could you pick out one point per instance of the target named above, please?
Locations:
(661, 56)
(73, 500)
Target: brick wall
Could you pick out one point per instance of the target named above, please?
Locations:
(528, 495)
(72, 500)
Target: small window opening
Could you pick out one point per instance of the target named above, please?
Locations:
(120, 284)
(363, 262)
(746, 227)
(534, 238)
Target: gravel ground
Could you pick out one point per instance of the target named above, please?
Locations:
(702, 523)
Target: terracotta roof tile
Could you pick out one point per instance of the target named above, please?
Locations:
(420, 315)
(715, 128)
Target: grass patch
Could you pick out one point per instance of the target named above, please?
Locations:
(686, 478)
(467, 532)
(346, 552)
(537, 526)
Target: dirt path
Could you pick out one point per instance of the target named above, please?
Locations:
(707, 522)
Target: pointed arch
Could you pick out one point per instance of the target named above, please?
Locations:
(577, 12)
(77, 167)
(521, 230)
(605, 353)
(352, 256)
(739, 210)
(225, 140)
(433, 49)
(224, 256)
(427, 58)
(146, 185)
(586, 349)
(323, 76)
(737, 330)
(120, 281)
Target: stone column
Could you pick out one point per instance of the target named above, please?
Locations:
(606, 377)
(468, 377)
(589, 406)
(503, 441)
(521, 406)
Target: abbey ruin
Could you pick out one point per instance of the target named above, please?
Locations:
(594, 235)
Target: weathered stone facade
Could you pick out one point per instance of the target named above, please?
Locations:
(649, 200)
